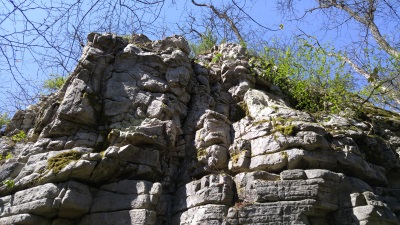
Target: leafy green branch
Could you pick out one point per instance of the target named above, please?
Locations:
(311, 79)
(54, 83)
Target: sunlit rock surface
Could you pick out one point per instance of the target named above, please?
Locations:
(142, 134)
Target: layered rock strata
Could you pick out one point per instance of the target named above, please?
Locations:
(142, 134)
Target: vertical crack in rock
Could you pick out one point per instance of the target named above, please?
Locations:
(142, 134)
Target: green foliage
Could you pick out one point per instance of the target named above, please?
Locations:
(243, 105)
(201, 153)
(9, 155)
(55, 82)
(58, 162)
(103, 154)
(4, 119)
(216, 58)
(312, 80)
(21, 136)
(127, 37)
(9, 183)
(207, 42)
(235, 155)
(288, 130)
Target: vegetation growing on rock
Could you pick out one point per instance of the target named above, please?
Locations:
(208, 41)
(59, 161)
(312, 80)
(20, 136)
(287, 130)
(4, 119)
(54, 83)
(201, 153)
(8, 156)
(185, 146)
(8, 183)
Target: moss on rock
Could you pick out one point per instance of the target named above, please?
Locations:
(58, 162)
(288, 130)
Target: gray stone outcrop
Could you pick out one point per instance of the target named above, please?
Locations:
(142, 134)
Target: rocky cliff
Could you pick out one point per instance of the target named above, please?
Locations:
(142, 134)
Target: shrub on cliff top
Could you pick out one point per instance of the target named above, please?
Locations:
(54, 83)
(312, 80)
(4, 119)
(207, 42)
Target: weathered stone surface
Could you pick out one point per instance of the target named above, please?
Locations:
(212, 140)
(75, 200)
(210, 189)
(306, 196)
(206, 214)
(68, 200)
(10, 170)
(163, 139)
(126, 195)
(24, 218)
(134, 216)
(271, 213)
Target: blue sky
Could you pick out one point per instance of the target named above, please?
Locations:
(264, 12)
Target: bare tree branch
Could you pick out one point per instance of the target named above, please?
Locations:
(223, 15)
(251, 18)
(385, 85)
(50, 34)
(368, 20)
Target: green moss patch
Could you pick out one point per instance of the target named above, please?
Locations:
(201, 153)
(244, 107)
(236, 155)
(288, 130)
(58, 162)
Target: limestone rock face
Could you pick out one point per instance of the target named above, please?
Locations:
(142, 134)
